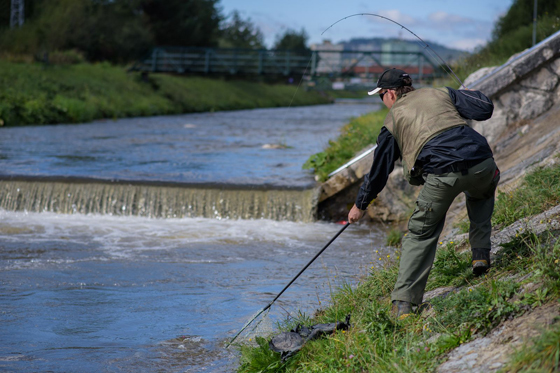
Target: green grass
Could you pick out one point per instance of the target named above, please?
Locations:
(377, 342)
(394, 237)
(541, 355)
(539, 191)
(32, 93)
(497, 52)
(355, 136)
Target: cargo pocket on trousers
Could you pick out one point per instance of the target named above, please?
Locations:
(420, 217)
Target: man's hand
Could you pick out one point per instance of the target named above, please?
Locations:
(355, 214)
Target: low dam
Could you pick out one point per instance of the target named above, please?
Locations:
(145, 244)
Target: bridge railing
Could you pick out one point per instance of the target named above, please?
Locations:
(282, 62)
(225, 61)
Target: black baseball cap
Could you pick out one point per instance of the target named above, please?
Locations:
(391, 78)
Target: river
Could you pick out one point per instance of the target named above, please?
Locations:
(99, 288)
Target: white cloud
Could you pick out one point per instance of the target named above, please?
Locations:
(394, 15)
(444, 18)
(467, 44)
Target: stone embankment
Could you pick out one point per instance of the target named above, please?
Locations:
(524, 132)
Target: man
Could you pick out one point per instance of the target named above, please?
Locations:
(427, 129)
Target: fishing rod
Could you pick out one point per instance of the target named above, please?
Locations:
(441, 61)
(423, 43)
(287, 286)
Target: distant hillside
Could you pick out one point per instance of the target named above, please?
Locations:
(448, 54)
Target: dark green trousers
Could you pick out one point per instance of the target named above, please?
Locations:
(427, 221)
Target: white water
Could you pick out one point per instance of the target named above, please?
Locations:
(94, 293)
(105, 293)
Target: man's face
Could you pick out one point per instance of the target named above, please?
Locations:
(388, 96)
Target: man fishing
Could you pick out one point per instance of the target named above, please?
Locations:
(426, 128)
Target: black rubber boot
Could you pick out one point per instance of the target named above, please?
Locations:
(401, 309)
(480, 261)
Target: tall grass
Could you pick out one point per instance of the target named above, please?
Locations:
(32, 93)
(377, 342)
(356, 135)
(498, 51)
(539, 191)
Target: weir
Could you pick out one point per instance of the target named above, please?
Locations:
(157, 200)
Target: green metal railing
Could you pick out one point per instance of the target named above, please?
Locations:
(281, 62)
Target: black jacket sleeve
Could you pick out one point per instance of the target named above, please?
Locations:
(471, 104)
(384, 157)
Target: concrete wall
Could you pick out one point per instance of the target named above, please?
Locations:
(526, 93)
(523, 88)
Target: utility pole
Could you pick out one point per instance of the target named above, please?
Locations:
(16, 14)
(535, 23)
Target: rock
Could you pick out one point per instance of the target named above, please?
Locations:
(492, 352)
(274, 146)
(548, 220)
(555, 66)
(534, 103)
(478, 74)
(543, 80)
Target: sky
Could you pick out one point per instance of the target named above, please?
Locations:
(459, 24)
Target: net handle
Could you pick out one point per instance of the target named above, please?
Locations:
(289, 284)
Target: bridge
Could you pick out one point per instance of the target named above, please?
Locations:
(288, 63)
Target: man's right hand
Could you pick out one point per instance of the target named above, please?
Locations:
(355, 214)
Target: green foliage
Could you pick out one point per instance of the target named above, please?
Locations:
(115, 30)
(479, 309)
(539, 191)
(378, 342)
(240, 33)
(521, 14)
(394, 238)
(193, 23)
(518, 248)
(355, 136)
(35, 94)
(512, 34)
(292, 39)
(260, 358)
(450, 267)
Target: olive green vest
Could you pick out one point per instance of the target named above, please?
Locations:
(417, 117)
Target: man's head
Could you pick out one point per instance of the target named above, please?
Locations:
(391, 84)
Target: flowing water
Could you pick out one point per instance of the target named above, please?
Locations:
(87, 286)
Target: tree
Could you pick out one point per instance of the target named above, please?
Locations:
(183, 22)
(114, 30)
(240, 33)
(521, 14)
(292, 39)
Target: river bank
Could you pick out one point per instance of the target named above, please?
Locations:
(33, 93)
(504, 321)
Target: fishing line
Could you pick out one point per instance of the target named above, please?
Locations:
(444, 66)
(424, 44)
(301, 80)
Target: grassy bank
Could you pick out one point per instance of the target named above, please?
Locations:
(377, 342)
(354, 136)
(32, 93)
